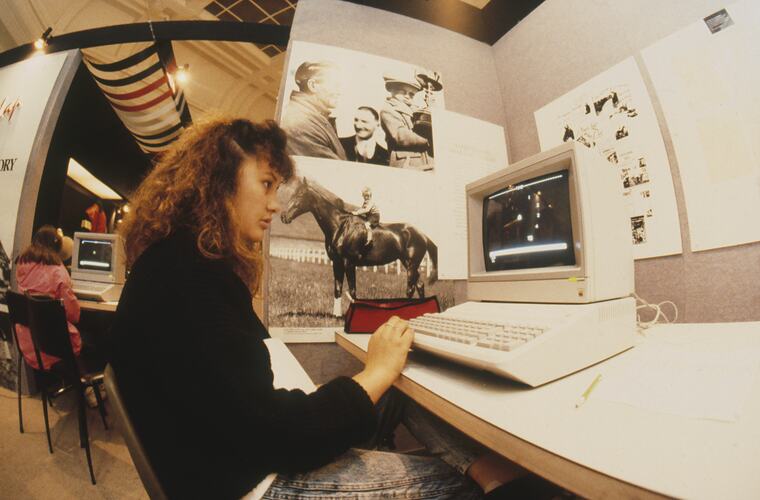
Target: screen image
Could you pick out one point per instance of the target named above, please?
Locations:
(95, 255)
(528, 224)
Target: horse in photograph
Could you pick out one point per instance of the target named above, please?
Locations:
(346, 237)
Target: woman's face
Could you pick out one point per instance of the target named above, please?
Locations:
(255, 200)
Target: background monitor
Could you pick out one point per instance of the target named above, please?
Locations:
(549, 229)
(98, 257)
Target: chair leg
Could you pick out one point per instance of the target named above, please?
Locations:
(84, 438)
(101, 406)
(43, 391)
(18, 390)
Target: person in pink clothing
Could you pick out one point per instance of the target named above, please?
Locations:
(40, 271)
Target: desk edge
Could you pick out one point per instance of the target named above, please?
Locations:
(570, 475)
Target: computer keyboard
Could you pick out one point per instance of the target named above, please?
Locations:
(91, 286)
(93, 290)
(531, 343)
(499, 335)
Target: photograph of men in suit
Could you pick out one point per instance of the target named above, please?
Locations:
(407, 148)
(307, 120)
(363, 146)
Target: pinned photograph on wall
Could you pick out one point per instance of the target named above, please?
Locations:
(638, 230)
(613, 115)
(718, 21)
(348, 233)
(346, 105)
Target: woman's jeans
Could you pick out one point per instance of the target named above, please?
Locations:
(380, 474)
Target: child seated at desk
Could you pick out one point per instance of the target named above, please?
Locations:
(40, 271)
(189, 352)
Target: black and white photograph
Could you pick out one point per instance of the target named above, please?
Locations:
(718, 21)
(634, 176)
(364, 237)
(345, 105)
(638, 230)
(5, 273)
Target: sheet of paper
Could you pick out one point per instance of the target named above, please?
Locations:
(707, 83)
(613, 115)
(466, 149)
(683, 380)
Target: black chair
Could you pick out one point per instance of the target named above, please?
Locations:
(18, 314)
(136, 449)
(46, 319)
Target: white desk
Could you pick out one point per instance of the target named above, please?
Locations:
(288, 372)
(601, 449)
(92, 305)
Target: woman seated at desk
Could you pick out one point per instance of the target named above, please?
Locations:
(40, 271)
(189, 355)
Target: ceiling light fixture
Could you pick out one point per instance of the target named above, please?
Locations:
(42, 41)
(182, 74)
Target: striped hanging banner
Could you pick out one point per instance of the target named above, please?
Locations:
(144, 96)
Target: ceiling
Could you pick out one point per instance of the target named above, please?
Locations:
(477, 3)
(227, 77)
(256, 11)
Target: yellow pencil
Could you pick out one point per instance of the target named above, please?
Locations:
(587, 392)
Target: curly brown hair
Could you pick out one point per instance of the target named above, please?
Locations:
(191, 189)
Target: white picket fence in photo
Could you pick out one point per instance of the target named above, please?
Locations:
(319, 256)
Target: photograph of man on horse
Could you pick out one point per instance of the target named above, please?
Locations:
(355, 237)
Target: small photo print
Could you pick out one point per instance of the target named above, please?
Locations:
(718, 21)
(638, 230)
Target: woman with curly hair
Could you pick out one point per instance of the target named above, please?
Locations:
(189, 350)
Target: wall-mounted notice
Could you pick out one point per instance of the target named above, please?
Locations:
(347, 105)
(707, 80)
(468, 149)
(24, 91)
(612, 114)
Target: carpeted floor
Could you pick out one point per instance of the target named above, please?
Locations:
(29, 471)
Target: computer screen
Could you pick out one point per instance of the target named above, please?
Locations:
(95, 254)
(527, 224)
(98, 257)
(551, 228)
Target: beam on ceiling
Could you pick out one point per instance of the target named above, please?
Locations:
(162, 30)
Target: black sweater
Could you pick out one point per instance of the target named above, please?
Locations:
(196, 376)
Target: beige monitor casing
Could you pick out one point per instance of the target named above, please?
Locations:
(601, 234)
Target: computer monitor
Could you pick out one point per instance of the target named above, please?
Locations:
(549, 229)
(98, 257)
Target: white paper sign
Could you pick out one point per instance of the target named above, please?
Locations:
(707, 84)
(466, 149)
(24, 91)
(613, 115)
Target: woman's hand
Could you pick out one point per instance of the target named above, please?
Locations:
(386, 357)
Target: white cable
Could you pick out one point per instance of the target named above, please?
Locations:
(657, 308)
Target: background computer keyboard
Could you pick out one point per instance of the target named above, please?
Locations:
(90, 286)
(93, 290)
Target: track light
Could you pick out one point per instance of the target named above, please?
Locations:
(42, 41)
(182, 74)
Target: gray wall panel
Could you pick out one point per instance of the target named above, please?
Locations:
(562, 44)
